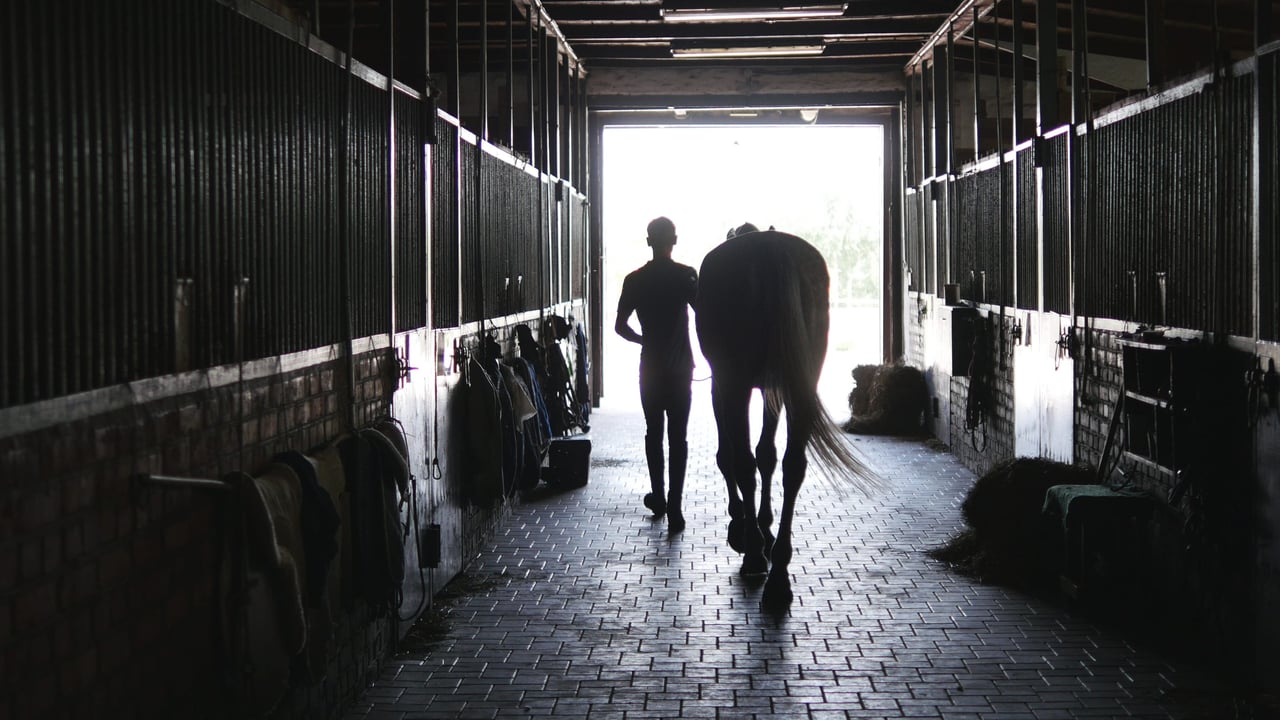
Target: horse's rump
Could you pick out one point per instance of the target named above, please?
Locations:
(762, 320)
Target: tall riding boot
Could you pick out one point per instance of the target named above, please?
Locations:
(655, 500)
(675, 514)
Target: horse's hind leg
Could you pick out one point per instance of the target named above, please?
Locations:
(767, 462)
(723, 453)
(777, 589)
(734, 458)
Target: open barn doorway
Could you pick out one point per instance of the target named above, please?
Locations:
(824, 183)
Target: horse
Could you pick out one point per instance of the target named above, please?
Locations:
(762, 317)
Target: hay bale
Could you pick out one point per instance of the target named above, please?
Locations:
(860, 396)
(1009, 541)
(897, 402)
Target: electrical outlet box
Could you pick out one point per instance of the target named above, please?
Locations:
(429, 546)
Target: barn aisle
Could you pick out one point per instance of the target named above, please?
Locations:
(583, 607)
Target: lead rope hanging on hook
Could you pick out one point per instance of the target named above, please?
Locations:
(977, 404)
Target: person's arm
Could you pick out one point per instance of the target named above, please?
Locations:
(622, 324)
(624, 329)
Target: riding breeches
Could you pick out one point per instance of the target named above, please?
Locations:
(665, 401)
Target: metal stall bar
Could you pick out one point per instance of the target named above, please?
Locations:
(1266, 278)
(1047, 112)
(510, 113)
(347, 397)
(484, 74)
(390, 177)
(977, 87)
(455, 85)
(540, 161)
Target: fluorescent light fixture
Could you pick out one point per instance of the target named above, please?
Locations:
(781, 12)
(748, 52)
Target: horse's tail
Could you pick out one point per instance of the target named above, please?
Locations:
(796, 386)
(836, 458)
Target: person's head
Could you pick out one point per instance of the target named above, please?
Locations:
(662, 234)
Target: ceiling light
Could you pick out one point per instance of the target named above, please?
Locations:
(783, 12)
(747, 52)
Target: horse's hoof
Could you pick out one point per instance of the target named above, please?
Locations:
(754, 565)
(736, 539)
(777, 596)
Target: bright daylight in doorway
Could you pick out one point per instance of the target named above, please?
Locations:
(822, 183)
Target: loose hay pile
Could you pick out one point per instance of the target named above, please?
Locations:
(1008, 540)
(888, 400)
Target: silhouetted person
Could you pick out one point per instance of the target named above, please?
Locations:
(660, 293)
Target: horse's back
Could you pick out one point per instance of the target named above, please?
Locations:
(754, 291)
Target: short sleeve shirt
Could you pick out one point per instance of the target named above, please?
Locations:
(661, 292)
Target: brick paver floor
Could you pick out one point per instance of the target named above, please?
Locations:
(583, 607)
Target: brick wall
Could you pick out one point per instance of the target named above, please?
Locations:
(1099, 382)
(968, 447)
(1197, 585)
(113, 585)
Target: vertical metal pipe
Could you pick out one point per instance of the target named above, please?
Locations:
(1004, 257)
(1017, 184)
(543, 157)
(70, 277)
(920, 126)
(893, 295)
(570, 123)
(530, 83)
(1219, 123)
(1083, 195)
(596, 301)
(455, 55)
(941, 103)
(167, 242)
(347, 398)
(1153, 16)
(511, 63)
(1079, 63)
(945, 243)
(573, 100)
(584, 165)
(909, 112)
(455, 103)
(566, 121)
(484, 71)
(1017, 74)
(1265, 276)
(948, 114)
(1047, 111)
(535, 100)
(554, 98)
(544, 94)
(977, 87)
(481, 220)
(389, 8)
(118, 201)
(923, 137)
